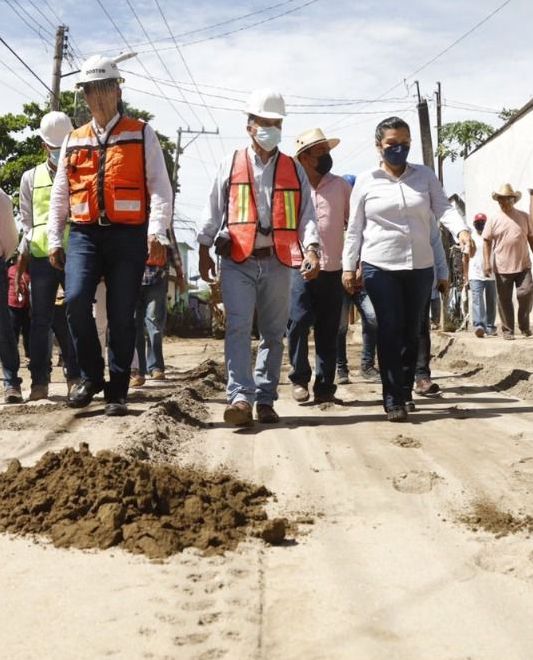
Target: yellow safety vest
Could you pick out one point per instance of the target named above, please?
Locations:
(42, 187)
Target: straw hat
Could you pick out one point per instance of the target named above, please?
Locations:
(311, 137)
(506, 190)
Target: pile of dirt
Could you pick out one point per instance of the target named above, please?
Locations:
(485, 515)
(157, 434)
(98, 501)
(505, 368)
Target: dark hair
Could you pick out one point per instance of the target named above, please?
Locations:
(386, 124)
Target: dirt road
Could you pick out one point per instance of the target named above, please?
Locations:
(392, 560)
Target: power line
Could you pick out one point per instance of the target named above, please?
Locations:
(215, 25)
(189, 72)
(38, 10)
(17, 75)
(34, 20)
(26, 23)
(26, 65)
(241, 29)
(170, 75)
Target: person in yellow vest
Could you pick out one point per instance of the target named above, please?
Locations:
(35, 190)
(261, 214)
(113, 185)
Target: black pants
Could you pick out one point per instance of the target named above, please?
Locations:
(20, 322)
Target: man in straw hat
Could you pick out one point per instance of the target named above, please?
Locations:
(318, 302)
(506, 237)
(261, 219)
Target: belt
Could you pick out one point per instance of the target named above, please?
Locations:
(263, 253)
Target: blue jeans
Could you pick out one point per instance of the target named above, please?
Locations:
(369, 327)
(151, 314)
(45, 281)
(400, 299)
(9, 353)
(483, 304)
(315, 303)
(261, 284)
(118, 253)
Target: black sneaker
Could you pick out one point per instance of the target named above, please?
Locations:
(397, 414)
(116, 408)
(82, 394)
(343, 378)
(410, 406)
(371, 374)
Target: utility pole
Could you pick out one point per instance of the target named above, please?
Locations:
(58, 61)
(438, 95)
(179, 152)
(425, 130)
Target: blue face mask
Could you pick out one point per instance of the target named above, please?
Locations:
(396, 154)
(53, 156)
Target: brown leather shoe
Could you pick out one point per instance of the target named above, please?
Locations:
(266, 414)
(239, 414)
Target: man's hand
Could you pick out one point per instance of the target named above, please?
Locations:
(57, 258)
(487, 270)
(157, 252)
(206, 265)
(466, 243)
(349, 281)
(443, 286)
(310, 267)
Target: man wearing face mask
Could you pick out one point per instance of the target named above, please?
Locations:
(35, 189)
(261, 213)
(318, 302)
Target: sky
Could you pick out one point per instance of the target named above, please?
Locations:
(341, 65)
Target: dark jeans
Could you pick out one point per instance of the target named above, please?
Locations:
(150, 316)
(369, 330)
(422, 369)
(62, 334)
(400, 299)
(9, 353)
(45, 281)
(505, 284)
(118, 253)
(20, 322)
(315, 303)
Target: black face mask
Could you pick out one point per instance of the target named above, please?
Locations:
(324, 164)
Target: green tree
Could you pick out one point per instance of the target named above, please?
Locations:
(21, 147)
(508, 113)
(458, 139)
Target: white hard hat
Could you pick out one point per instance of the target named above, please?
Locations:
(98, 67)
(55, 126)
(266, 103)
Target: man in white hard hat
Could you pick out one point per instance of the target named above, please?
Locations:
(261, 214)
(318, 302)
(113, 186)
(35, 189)
(9, 355)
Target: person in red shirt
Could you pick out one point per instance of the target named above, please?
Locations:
(19, 306)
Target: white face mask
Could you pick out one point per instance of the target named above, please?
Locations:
(53, 156)
(268, 137)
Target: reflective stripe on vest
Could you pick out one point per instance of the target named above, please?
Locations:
(242, 216)
(107, 180)
(42, 187)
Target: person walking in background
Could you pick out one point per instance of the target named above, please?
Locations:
(151, 316)
(261, 213)
(318, 302)
(424, 386)
(389, 233)
(35, 191)
(507, 237)
(9, 354)
(19, 305)
(113, 184)
(482, 287)
(369, 329)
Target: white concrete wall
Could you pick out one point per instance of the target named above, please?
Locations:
(508, 158)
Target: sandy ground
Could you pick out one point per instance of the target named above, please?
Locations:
(385, 570)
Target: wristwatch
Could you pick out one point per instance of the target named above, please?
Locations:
(314, 247)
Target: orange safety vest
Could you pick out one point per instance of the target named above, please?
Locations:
(107, 179)
(242, 216)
